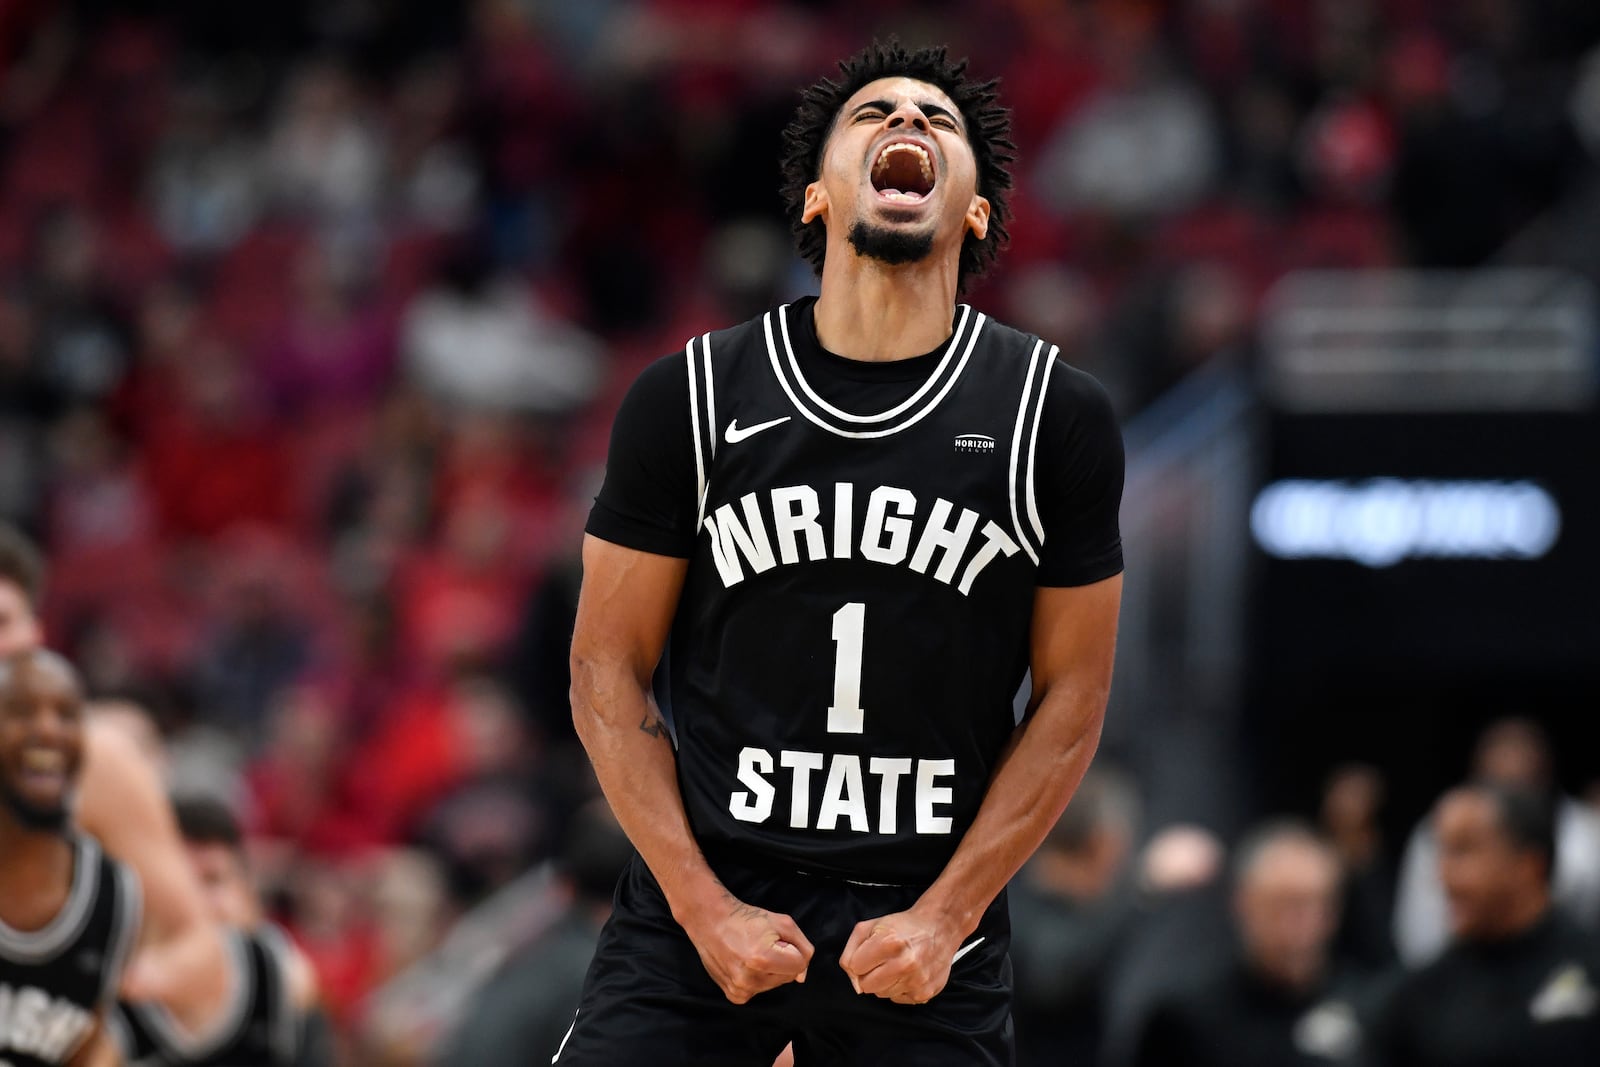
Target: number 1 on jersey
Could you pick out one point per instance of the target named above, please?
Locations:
(845, 716)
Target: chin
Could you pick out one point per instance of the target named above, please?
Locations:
(51, 816)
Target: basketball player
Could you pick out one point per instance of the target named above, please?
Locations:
(861, 520)
(186, 962)
(69, 915)
(279, 1023)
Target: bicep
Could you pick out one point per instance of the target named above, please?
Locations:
(1074, 638)
(625, 608)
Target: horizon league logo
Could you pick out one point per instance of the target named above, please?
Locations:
(1381, 521)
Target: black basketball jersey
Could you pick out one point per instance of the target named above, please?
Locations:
(54, 981)
(260, 1027)
(855, 618)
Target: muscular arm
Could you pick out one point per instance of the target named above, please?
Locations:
(181, 960)
(625, 613)
(907, 956)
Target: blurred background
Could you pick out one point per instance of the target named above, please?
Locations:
(313, 318)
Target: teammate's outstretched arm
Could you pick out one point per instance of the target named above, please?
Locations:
(625, 612)
(181, 960)
(906, 957)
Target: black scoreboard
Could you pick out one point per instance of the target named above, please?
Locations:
(1444, 544)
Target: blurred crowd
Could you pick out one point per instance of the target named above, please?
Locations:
(313, 317)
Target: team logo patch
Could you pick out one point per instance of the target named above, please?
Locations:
(1567, 995)
(979, 443)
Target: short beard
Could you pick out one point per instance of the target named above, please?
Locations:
(890, 247)
(32, 817)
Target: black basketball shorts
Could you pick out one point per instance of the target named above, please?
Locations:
(648, 1000)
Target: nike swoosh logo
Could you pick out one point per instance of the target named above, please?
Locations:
(968, 947)
(735, 434)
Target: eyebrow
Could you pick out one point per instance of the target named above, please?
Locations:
(927, 107)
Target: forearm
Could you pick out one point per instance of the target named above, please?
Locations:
(621, 728)
(1036, 776)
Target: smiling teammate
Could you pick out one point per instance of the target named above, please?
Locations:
(857, 522)
(206, 990)
(69, 915)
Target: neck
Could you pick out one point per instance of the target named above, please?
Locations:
(31, 862)
(877, 313)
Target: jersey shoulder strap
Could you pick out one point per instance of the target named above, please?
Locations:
(719, 356)
(1019, 366)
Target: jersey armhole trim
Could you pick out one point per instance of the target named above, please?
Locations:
(1021, 437)
(285, 1027)
(174, 1042)
(694, 429)
(705, 436)
(126, 920)
(1033, 446)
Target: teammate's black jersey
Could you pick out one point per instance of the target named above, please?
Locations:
(865, 542)
(260, 1028)
(55, 980)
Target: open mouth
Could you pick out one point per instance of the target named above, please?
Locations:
(903, 173)
(43, 768)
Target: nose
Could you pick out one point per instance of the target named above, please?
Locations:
(909, 114)
(48, 724)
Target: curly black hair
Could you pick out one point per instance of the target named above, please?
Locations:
(988, 128)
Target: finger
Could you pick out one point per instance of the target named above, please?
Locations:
(862, 931)
(880, 947)
(790, 931)
(881, 981)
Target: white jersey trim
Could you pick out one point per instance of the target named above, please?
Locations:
(1016, 453)
(694, 428)
(171, 1036)
(916, 417)
(883, 416)
(125, 922)
(1033, 445)
(711, 396)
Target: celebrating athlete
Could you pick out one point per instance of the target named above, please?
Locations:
(839, 536)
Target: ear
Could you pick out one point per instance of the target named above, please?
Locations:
(816, 203)
(978, 217)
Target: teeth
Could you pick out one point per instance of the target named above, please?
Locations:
(904, 146)
(899, 195)
(44, 760)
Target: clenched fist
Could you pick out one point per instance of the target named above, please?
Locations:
(904, 957)
(748, 950)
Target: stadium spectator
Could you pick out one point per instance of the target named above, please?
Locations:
(523, 1011)
(1352, 802)
(477, 342)
(1070, 910)
(1282, 1001)
(1521, 982)
(1513, 753)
